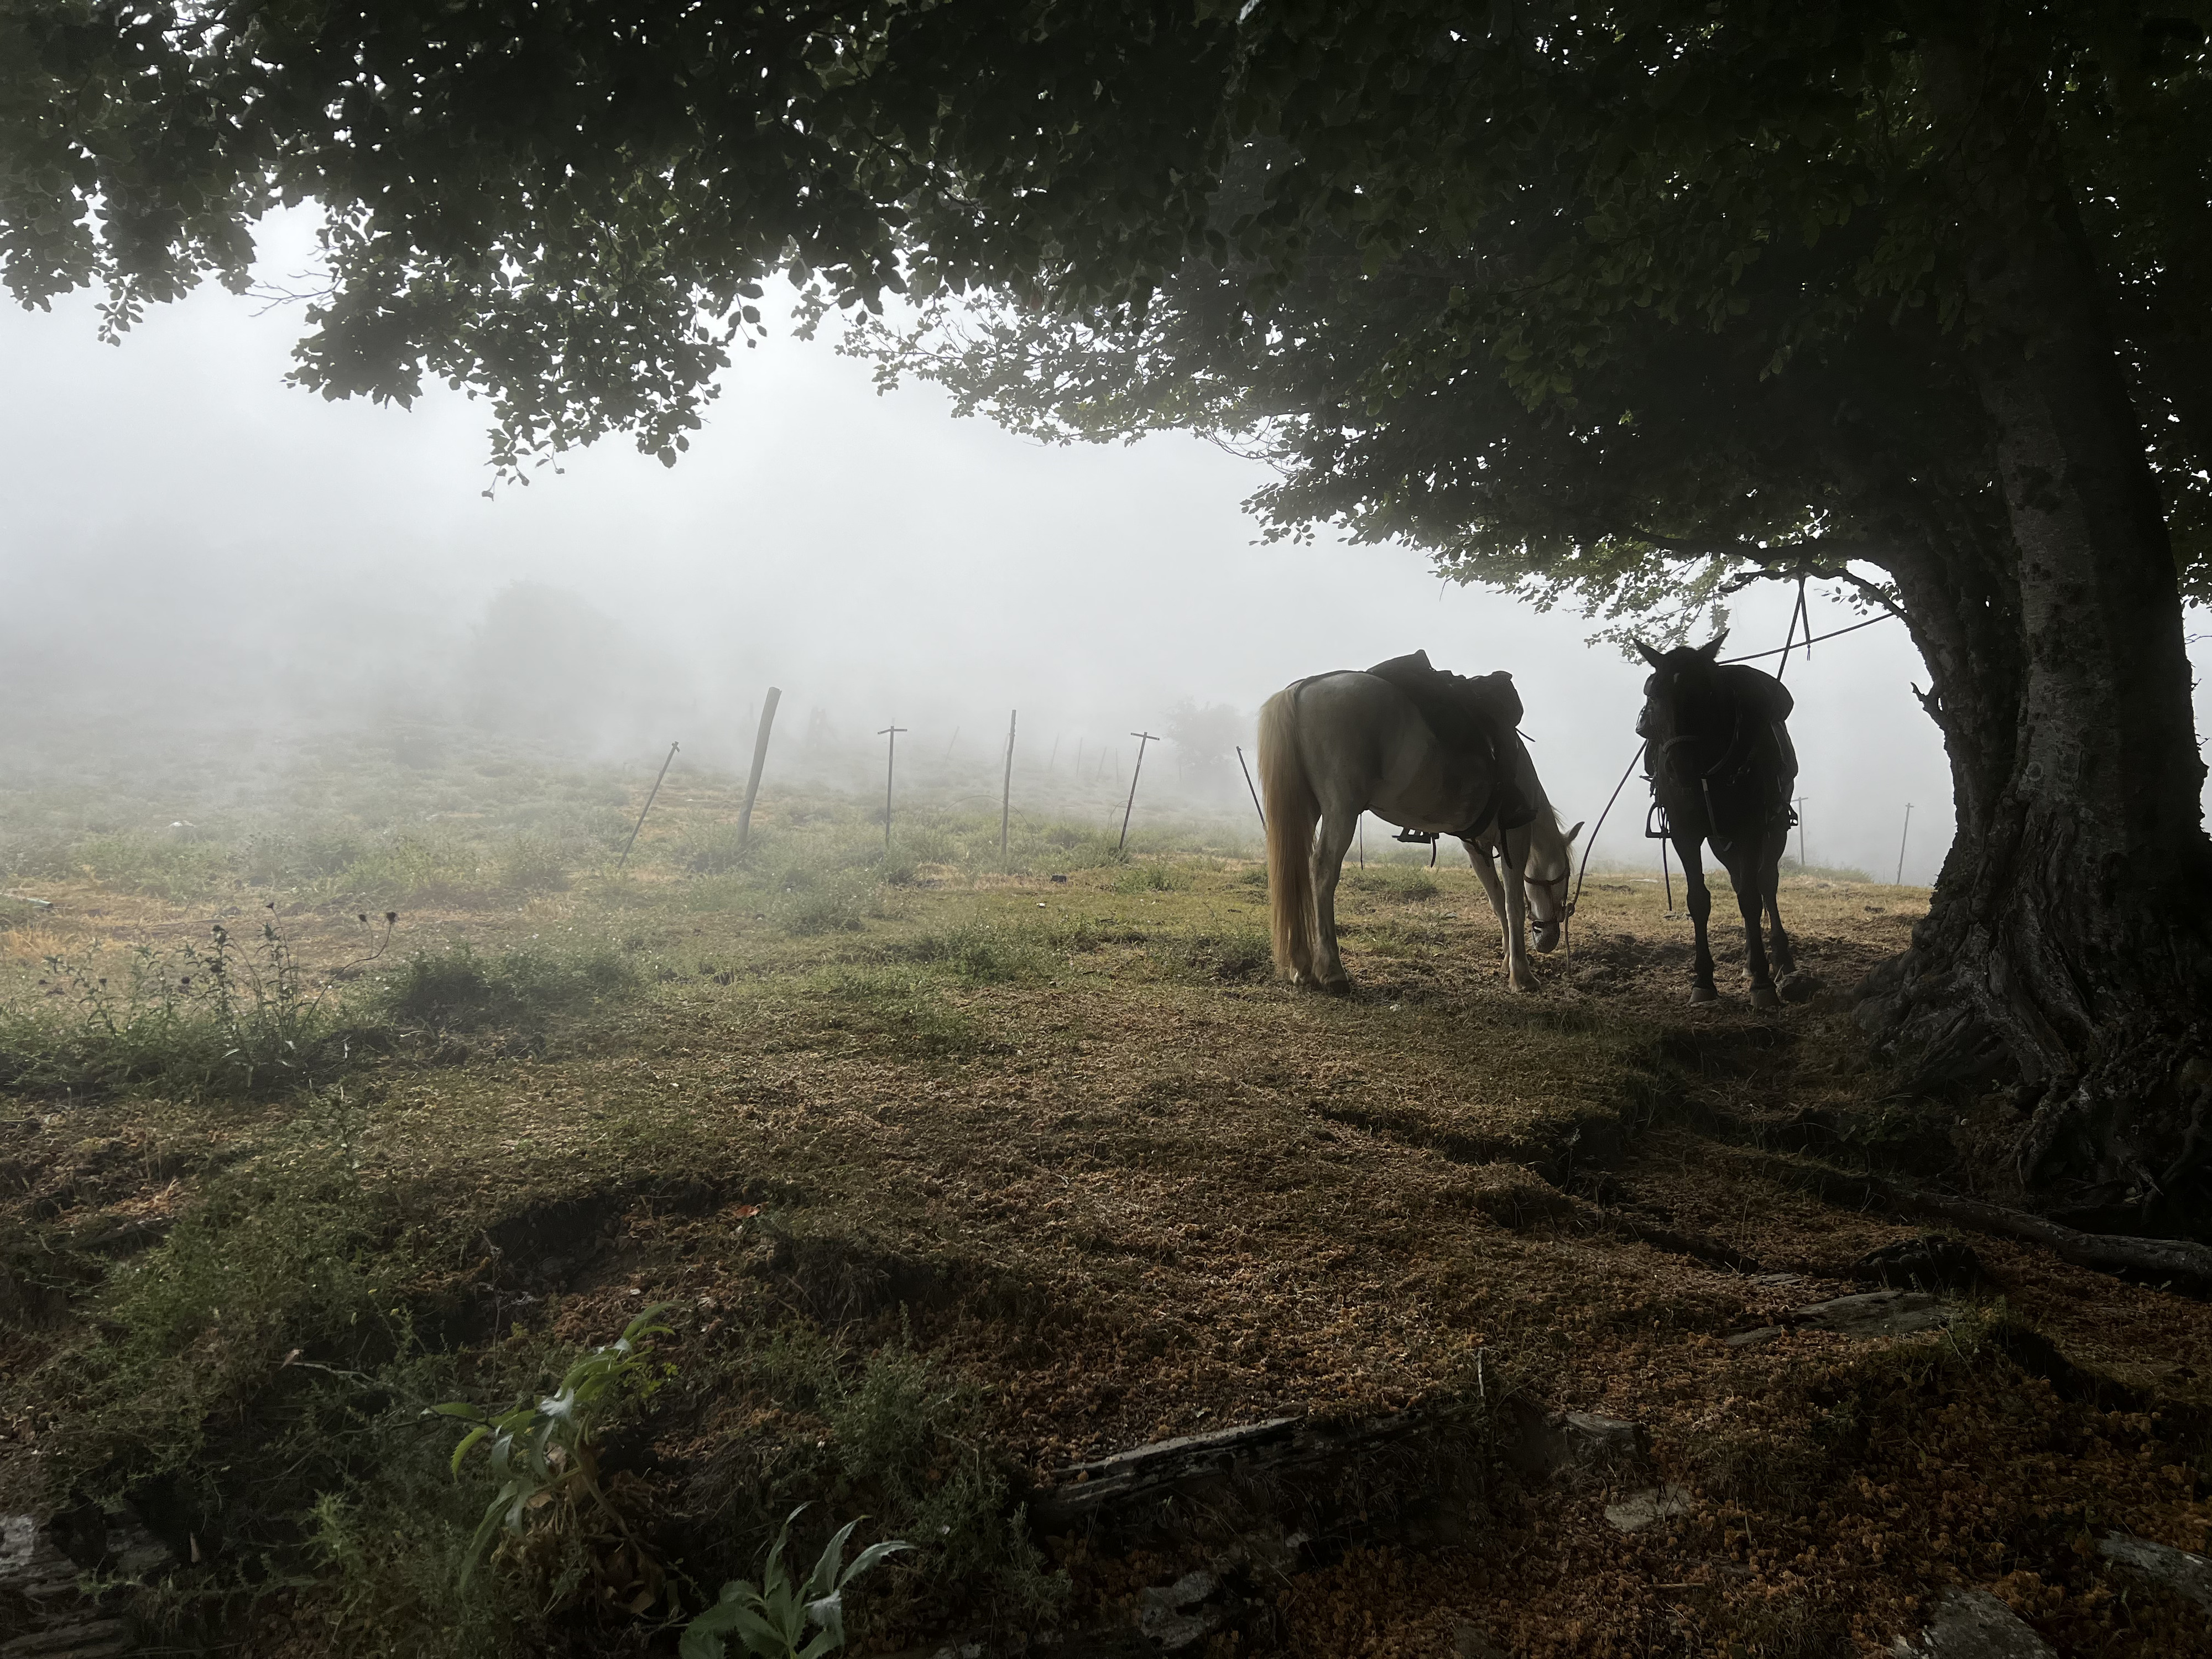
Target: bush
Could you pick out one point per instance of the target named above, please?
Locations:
(457, 990)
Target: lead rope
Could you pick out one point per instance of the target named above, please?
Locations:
(1566, 929)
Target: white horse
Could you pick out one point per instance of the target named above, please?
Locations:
(1338, 745)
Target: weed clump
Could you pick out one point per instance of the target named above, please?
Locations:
(458, 990)
(979, 955)
(904, 1438)
(1414, 886)
(228, 1019)
(841, 903)
(1232, 956)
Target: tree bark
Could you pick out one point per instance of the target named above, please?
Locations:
(2072, 927)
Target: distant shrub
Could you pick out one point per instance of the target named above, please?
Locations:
(707, 849)
(1845, 873)
(457, 990)
(1414, 886)
(1149, 878)
(839, 903)
(411, 867)
(531, 864)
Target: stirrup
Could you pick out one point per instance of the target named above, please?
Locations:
(1419, 836)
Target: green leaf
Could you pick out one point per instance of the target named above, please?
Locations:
(469, 1440)
(868, 1558)
(823, 1580)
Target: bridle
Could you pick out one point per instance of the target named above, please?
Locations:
(1562, 881)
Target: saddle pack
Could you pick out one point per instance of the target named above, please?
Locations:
(1758, 738)
(1472, 721)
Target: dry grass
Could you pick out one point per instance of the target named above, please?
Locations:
(1034, 1128)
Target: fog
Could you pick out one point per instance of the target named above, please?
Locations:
(191, 548)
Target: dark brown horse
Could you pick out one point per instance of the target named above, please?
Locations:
(1719, 757)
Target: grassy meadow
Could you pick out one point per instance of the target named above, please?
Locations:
(374, 1080)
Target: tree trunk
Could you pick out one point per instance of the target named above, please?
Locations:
(2072, 928)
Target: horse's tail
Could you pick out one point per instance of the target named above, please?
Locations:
(1293, 813)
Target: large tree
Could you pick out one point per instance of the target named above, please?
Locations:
(1622, 301)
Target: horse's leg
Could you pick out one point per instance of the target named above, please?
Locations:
(1513, 857)
(1485, 869)
(1699, 899)
(1769, 881)
(1745, 873)
(1337, 828)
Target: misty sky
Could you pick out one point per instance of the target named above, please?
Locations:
(180, 526)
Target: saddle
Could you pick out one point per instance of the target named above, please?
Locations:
(1472, 721)
(1763, 707)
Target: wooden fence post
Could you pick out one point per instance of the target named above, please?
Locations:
(890, 761)
(1142, 737)
(760, 760)
(1006, 793)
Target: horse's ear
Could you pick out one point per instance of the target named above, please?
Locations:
(1711, 647)
(1572, 833)
(1649, 655)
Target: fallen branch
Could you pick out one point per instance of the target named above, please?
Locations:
(2178, 1260)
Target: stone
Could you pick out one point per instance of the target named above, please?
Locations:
(1974, 1625)
(2187, 1575)
(1588, 1437)
(1468, 1642)
(1175, 1615)
(1639, 1509)
(1922, 1264)
(65, 1624)
(1875, 1313)
(1751, 1339)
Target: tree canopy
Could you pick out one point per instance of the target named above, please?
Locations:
(1641, 299)
(1544, 287)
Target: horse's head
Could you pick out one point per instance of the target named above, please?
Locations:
(1545, 877)
(1686, 707)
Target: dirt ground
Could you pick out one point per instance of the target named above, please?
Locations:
(1066, 1135)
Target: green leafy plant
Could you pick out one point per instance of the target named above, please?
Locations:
(543, 1453)
(771, 1619)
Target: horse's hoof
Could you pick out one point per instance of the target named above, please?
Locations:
(1703, 993)
(1763, 996)
(1340, 986)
